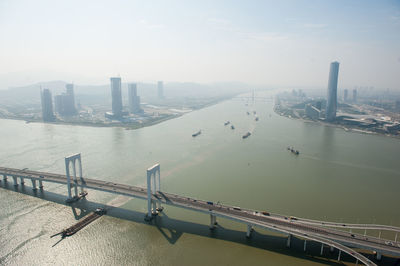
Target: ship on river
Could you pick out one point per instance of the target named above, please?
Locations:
(246, 135)
(196, 134)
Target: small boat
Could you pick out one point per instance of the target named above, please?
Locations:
(226, 123)
(248, 113)
(292, 150)
(232, 127)
(246, 135)
(256, 119)
(196, 134)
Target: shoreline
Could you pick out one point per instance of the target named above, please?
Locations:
(347, 129)
(126, 126)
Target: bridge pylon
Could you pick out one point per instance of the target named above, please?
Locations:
(153, 186)
(73, 159)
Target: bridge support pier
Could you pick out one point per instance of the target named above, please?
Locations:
(305, 244)
(249, 231)
(378, 256)
(380, 232)
(72, 159)
(289, 240)
(153, 206)
(331, 249)
(213, 221)
(22, 180)
(322, 249)
(5, 178)
(34, 184)
(15, 181)
(340, 253)
(40, 184)
(395, 238)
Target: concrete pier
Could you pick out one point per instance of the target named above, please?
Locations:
(305, 244)
(213, 221)
(288, 241)
(249, 231)
(34, 184)
(322, 249)
(15, 181)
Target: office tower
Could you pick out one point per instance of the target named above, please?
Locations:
(116, 97)
(354, 95)
(331, 103)
(134, 99)
(47, 106)
(346, 95)
(65, 103)
(160, 89)
(70, 106)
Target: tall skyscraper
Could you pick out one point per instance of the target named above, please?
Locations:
(65, 103)
(71, 109)
(354, 95)
(47, 106)
(160, 89)
(346, 95)
(134, 99)
(331, 102)
(116, 97)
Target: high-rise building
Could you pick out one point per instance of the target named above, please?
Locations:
(160, 89)
(134, 99)
(47, 106)
(354, 95)
(116, 97)
(331, 102)
(71, 98)
(346, 95)
(65, 103)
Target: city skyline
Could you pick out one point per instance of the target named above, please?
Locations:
(262, 42)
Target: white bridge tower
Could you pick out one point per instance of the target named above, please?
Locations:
(153, 186)
(72, 160)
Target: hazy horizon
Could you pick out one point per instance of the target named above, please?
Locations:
(289, 43)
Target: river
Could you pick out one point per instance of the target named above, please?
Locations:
(338, 176)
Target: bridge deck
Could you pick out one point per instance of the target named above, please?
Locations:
(307, 229)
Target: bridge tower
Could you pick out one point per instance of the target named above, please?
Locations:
(73, 159)
(153, 186)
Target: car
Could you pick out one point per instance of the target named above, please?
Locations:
(237, 208)
(210, 203)
(265, 213)
(352, 235)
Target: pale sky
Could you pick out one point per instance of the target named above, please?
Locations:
(275, 43)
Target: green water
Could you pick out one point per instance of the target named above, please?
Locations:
(339, 176)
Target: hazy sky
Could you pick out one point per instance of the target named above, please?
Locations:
(276, 43)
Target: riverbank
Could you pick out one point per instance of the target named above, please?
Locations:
(286, 112)
(165, 115)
